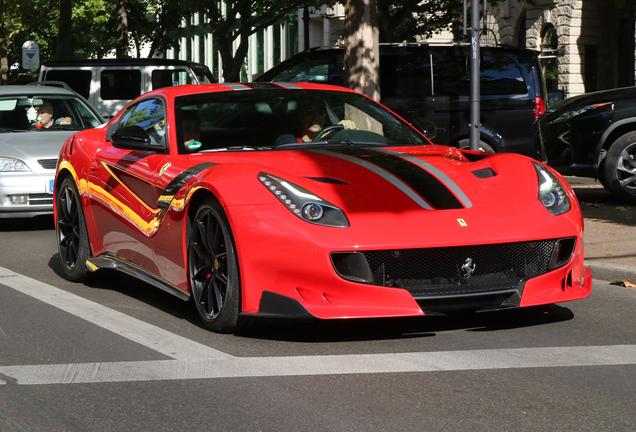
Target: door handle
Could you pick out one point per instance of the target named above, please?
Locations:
(94, 166)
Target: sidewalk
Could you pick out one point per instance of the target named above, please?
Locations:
(610, 231)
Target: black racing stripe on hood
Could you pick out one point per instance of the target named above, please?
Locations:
(420, 180)
(178, 182)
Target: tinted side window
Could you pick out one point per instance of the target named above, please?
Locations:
(78, 80)
(406, 75)
(150, 114)
(451, 75)
(169, 77)
(120, 84)
(499, 76)
(315, 71)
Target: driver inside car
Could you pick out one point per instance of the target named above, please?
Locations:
(312, 120)
(46, 116)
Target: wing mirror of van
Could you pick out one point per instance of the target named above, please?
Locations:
(427, 127)
(131, 138)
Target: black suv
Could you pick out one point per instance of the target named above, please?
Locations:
(432, 82)
(594, 135)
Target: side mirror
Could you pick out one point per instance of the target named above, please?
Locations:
(427, 127)
(131, 138)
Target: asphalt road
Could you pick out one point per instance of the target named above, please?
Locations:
(115, 355)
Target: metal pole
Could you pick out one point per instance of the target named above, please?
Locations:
(474, 76)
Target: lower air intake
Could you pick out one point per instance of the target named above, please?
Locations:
(455, 271)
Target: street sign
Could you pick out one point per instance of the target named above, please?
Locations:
(30, 55)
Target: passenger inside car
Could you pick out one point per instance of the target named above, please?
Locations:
(191, 130)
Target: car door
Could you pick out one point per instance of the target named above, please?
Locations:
(123, 186)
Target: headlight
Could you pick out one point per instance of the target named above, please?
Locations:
(12, 165)
(569, 114)
(551, 192)
(303, 203)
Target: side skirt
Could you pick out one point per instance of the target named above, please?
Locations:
(114, 262)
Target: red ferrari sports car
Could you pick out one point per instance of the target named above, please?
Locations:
(310, 201)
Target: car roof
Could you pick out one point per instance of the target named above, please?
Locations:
(18, 90)
(409, 47)
(189, 89)
(119, 62)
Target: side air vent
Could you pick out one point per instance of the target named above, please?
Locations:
(484, 173)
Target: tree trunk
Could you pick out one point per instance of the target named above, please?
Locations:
(4, 61)
(362, 52)
(121, 48)
(63, 49)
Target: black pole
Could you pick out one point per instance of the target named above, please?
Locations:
(474, 76)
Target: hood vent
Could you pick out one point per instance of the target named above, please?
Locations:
(327, 180)
(484, 173)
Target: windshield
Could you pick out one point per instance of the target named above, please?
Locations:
(284, 118)
(45, 112)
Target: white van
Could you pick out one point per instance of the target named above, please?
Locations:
(109, 84)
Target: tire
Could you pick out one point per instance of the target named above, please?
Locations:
(213, 268)
(483, 146)
(618, 168)
(70, 229)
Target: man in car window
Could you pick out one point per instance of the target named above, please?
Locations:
(46, 116)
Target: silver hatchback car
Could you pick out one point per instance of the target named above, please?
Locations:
(35, 120)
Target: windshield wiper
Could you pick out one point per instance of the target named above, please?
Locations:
(235, 148)
(331, 143)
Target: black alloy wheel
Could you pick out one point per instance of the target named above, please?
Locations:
(618, 168)
(72, 238)
(213, 268)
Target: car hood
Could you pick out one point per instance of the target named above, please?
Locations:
(620, 96)
(33, 144)
(399, 178)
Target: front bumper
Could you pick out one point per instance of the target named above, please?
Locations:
(24, 194)
(286, 267)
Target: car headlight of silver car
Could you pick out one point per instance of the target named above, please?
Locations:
(303, 203)
(552, 194)
(12, 165)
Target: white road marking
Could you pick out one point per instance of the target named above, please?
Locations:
(131, 328)
(197, 361)
(243, 367)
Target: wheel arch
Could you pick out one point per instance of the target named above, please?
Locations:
(614, 132)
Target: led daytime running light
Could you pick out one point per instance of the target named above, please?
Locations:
(303, 203)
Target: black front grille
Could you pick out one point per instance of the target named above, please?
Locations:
(48, 163)
(40, 199)
(450, 271)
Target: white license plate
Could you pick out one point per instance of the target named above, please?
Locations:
(51, 186)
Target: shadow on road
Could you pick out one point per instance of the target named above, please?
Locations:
(599, 204)
(403, 328)
(37, 223)
(341, 330)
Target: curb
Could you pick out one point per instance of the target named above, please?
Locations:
(609, 272)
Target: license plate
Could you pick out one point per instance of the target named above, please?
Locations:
(51, 187)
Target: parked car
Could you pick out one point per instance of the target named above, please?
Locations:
(311, 201)
(432, 83)
(109, 84)
(594, 135)
(29, 146)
